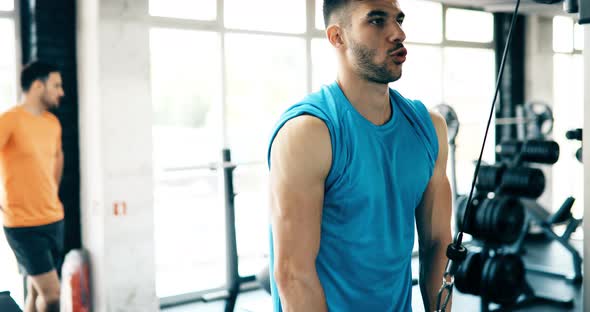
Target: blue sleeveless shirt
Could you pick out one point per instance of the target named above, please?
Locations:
(377, 179)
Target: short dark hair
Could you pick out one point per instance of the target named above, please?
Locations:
(35, 70)
(331, 6)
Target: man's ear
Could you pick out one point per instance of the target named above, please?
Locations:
(335, 35)
(37, 85)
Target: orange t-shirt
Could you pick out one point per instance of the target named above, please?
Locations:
(29, 146)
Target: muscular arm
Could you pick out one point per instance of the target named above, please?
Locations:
(301, 157)
(433, 222)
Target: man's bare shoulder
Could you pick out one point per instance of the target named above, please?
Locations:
(303, 141)
(307, 123)
(440, 124)
(305, 129)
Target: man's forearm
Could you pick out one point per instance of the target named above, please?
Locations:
(301, 294)
(432, 266)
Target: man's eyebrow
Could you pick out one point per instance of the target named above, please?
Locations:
(381, 13)
(377, 13)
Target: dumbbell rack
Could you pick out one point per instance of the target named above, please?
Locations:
(527, 299)
(546, 152)
(541, 217)
(538, 214)
(526, 296)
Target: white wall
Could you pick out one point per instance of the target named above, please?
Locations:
(116, 153)
(539, 78)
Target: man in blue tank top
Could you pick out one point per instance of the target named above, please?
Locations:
(353, 168)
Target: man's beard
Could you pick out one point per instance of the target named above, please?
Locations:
(47, 103)
(368, 69)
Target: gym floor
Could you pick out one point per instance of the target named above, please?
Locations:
(550, 255)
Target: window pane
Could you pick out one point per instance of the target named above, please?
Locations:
(319, 14)
(469, 88)
(422, 75)
(324, 63)
(6, 5)
(186, 101)
(265, 75)
(418, 11)
(469, 25)
(10, 279)
(189, 9)
(563, 39)
(8, 86)
(242, 14)
(189, 232)
(252, 217)
(578, 37)
(186, 96)
(568, 95)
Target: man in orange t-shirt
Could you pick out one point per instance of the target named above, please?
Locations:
(31, 165)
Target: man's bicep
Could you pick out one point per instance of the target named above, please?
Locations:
(300, 160)
(433, 216)
(296, 222)
(434, 213)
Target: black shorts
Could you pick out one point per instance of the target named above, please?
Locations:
(38, 249)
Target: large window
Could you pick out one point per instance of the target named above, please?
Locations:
(186, 92)
(221, 75)
(9, 278)
(568, 103)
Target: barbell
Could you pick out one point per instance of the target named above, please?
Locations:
(537, 116)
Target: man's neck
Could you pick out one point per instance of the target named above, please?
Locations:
(370, 99)
(32, 106)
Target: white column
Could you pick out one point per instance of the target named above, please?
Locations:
(116, 153)
(586, 159)
(539, 80)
